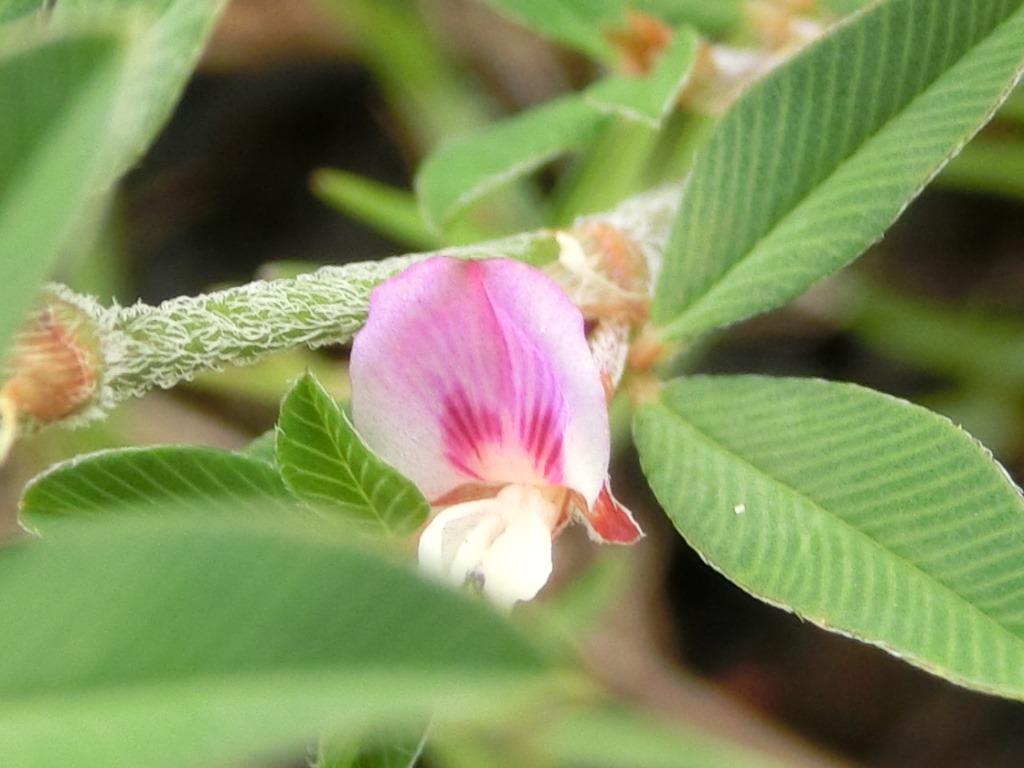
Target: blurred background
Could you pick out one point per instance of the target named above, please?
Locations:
(244, 182)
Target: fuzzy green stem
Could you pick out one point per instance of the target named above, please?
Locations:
(143, 347)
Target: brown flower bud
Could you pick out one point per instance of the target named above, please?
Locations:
(51, 370)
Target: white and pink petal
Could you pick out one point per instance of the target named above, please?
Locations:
(501, 544)
(479, 373)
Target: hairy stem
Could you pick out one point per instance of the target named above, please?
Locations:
(143, 347)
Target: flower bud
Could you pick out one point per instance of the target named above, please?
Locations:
(52, 368)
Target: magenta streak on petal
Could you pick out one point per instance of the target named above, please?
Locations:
(518, 432)
(465, 433)
(479, 372)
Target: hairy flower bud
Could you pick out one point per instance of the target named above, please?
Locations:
(52, 368)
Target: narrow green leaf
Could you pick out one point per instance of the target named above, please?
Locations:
(55, 99)
(162, 477)
(649, 99)
(432, 95)
(169, 36)
(819, 158)
(465, 169)
(391, 211)
(181, 641)
(326, 464)
(286, 269)
(578, 24)
(862, 513)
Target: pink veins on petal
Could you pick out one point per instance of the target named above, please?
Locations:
(483, 445)
(479, 372)
(520, 436)
(512, 429)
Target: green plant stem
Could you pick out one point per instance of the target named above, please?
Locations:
(143, 347)
(684, 135)
(611, 170)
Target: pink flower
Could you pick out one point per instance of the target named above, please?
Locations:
(474, 379)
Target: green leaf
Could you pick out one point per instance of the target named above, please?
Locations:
(578, 24)
(326, 465)
(817, 160)
(465, 169)
(623, 739)
(55, 99)
(162, 477)
(649, 99)
(170, 642)
(391, 211)
(862, 513)
(169, 36)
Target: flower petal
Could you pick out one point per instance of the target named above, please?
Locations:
(609, 522)
(479, 372)
(503, 542)
(518, 564)
(453, 545)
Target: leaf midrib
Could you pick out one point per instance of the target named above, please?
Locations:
(672, 326)
(820, 510)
